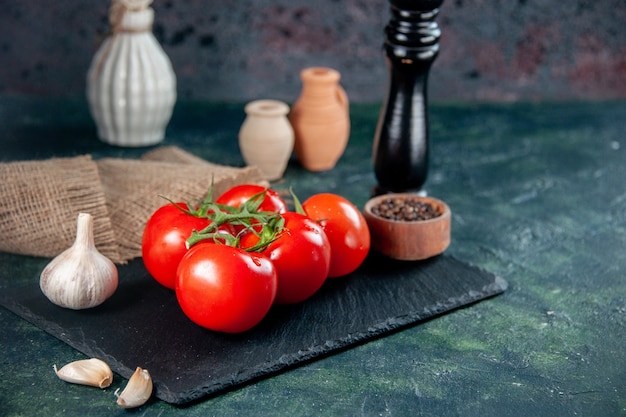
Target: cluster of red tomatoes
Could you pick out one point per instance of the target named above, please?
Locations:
(231, 258)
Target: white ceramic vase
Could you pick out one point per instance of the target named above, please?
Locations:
(131, 85)
(266, 138)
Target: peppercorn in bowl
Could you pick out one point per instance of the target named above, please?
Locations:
(407, 226)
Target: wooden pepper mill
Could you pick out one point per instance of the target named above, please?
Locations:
(400, 153)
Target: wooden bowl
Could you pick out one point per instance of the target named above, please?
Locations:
(409, 240)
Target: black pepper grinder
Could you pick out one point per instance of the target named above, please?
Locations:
(400, 153)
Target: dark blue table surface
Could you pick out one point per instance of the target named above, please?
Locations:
(538, 193)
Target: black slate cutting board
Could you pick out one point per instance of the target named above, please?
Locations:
(142, 324)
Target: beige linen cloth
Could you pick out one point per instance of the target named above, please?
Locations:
(40, 200)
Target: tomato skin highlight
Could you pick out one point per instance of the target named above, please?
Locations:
(163, 241)
(239, 194)
(346, 229)
(225, 289)
(302, 257)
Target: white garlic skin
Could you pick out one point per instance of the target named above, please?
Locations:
(137, 391)
(80, 277)
(93, 372)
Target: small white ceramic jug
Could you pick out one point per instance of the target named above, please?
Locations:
(266, 138)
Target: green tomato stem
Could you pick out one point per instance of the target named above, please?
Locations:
(247, 216)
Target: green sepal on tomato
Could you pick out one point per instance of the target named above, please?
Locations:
(246, 207)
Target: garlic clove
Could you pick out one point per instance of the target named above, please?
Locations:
(137, 391)
(80, 277)
(93, 372)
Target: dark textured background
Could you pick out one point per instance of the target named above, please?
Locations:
(496, 50)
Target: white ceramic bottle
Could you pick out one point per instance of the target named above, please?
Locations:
(266, 138)
(131, 85)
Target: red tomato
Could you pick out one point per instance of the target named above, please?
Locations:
(301, 255)
(163, 241)
(239, 194)
(346, 229)
(225, 289)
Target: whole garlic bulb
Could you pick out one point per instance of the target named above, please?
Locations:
(80, 277)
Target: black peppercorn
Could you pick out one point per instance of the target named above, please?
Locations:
(405, 209)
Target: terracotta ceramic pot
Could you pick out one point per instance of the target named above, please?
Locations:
(131, 85)
(409, 240)
(266, 137)
(321, 119)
